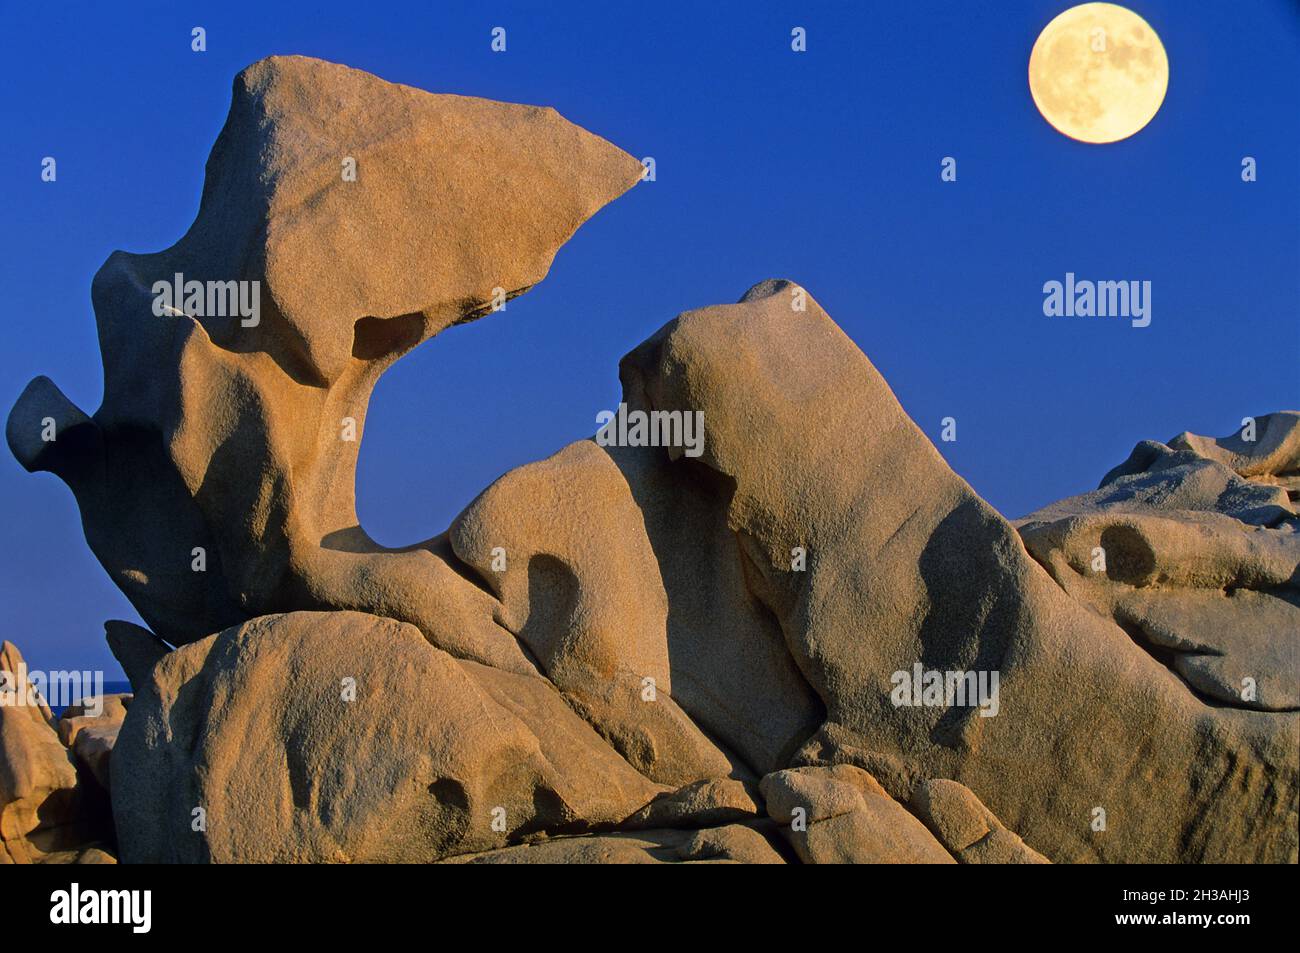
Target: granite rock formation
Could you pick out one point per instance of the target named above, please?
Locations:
(1192, 548)
(50, 812)
(681, 657)
(350, 275)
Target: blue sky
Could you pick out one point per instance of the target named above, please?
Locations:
(822, 167)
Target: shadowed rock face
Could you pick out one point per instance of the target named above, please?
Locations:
(679, 658)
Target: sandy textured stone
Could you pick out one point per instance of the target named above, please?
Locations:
(841, 815)
(231, 439)
(91, 738)
(112, 709)
(1201, 547)
(609, 648)
(12, 667)
(907, 565)
(600, 584)
(40, 802)
(136, 649)
(252, 726)
(93, 749)
(701, 804)
(1269, 459)
(581, 587)
(730, 844)
(967, 828)
(83, 855)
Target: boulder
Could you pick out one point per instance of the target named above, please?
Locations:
(700, 804)
(91, 738)
(563, 544)
(84, 855)
(707, 661)
(841, 815)
(967, 828)
(1192, 548)
(20, 692)
(136, 649)
(111, 710)
(345, 737)
(93, 749)
(734, 843)
(40, 800)
(652, 633)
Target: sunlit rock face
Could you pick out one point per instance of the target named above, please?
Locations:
(906, 564)
(632, 651)
(52, 810)
(1192, 547)
(363, 217)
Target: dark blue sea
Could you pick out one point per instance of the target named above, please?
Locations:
(110, 688)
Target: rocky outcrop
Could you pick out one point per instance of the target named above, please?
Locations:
(456, 204)
(660, 644)
(1192, 547)
(343, 737)
(733, 844)
(841, 815)
(46, 813)
(90, 732)
(907, 566)
(804, 638)
(106, 711)
(967, 828)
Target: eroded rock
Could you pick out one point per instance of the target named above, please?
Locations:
(1193, 548)
(733, 843)
(41, 804)
(254, 736)
(967, 828)
(905, 564)
(841, 815)
(608, 649)
(233, 442)
(107, 710)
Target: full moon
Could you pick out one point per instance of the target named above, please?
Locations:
(1098, 72)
